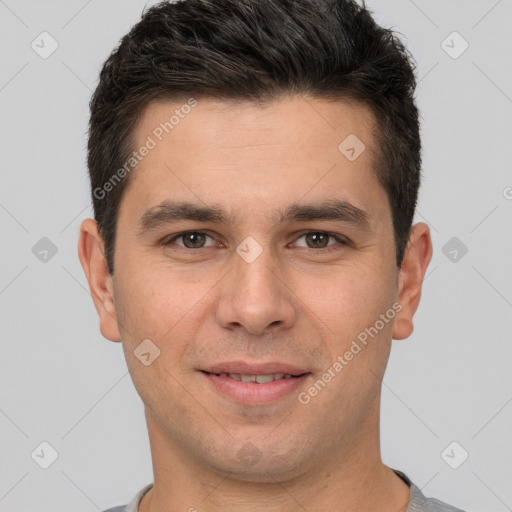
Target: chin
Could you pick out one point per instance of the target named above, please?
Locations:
(260, 465)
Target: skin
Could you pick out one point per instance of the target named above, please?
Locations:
(297, 302)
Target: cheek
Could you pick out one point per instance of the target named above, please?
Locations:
(155, 333)
(151, 303)
(168, 311)
(353, 298)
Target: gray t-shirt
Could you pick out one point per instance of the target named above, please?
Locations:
(418, 502)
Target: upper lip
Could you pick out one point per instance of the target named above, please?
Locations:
(246, 368)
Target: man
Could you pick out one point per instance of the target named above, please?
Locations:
(254, 170)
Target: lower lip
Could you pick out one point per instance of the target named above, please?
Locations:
(251, 393)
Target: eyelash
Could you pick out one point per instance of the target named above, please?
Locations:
(329, 248)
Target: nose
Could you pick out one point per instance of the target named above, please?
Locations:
(255, 296)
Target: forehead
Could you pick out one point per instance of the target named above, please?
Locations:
(299, 120)
(236, 153)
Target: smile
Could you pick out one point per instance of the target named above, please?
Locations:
(255, 389)
(258, 379)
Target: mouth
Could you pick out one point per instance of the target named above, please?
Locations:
(257, 379)
(255, 385)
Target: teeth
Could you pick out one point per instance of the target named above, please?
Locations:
(260, 379)
(263, 379)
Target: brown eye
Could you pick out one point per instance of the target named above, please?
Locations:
(317, 240)
(196, 240)
(190, 240)
(320, 240)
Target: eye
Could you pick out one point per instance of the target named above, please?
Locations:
(314, 240)
(191, 239)
(319, 240)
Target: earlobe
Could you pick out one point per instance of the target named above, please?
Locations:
(412, 272)
(92, 258)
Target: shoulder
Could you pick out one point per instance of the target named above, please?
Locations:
(420, 503)
(133, 506)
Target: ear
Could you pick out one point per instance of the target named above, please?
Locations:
(92, 257)
(412, 272)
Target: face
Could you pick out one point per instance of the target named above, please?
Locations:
(281, 262)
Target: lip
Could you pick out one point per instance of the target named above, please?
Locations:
(251, 393)
(255, 368)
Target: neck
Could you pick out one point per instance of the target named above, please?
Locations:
(353, 478)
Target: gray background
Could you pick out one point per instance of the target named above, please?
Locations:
(63, 384)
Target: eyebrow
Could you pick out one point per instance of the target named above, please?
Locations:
(167, 212)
